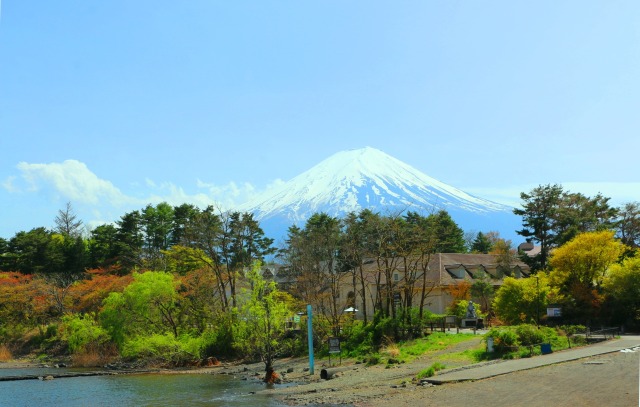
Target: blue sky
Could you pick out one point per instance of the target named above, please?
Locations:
(113, 105)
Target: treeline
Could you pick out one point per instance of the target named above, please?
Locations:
(138, 240)
(552, 217)
(183, 281)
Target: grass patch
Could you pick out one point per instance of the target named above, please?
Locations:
(5, 354)
(435, 342)
(430, 371)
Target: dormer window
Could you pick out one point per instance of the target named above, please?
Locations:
(458, 272)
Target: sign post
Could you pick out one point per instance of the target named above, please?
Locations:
(310, 338)
(334, 347)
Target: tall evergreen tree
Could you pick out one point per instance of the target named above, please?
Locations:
(481, 244)
(552, 217)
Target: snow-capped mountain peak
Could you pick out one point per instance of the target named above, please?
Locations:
(365, 178)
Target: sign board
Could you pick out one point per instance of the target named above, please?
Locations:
(334, 345)
(554, 312)
(296, 319)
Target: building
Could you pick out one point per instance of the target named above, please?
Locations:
(400, 277)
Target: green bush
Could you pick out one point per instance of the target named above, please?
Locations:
(81, 330)
(504, 339)
(359, 340)
(177, 351)
(530, 335)
(527, 336)
(219, 341)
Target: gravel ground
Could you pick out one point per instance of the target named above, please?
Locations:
(606, 380)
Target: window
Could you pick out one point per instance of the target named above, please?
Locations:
(458, 272)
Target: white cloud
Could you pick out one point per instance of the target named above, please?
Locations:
(8, 184)
(73, 180)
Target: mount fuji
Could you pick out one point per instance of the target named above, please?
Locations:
(367, 178)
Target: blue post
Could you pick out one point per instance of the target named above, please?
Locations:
(310, 337)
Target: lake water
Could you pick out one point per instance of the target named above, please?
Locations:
(132, 390)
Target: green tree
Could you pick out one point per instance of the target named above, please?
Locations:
(621, 287)
(5, 255)
(629, 224)
(205, 233)
(523, 299)
(322, 240)
(183, 215)
(263, 320)
(450, 237)
(505, 256)
(552, 217)
(578, 214)
(579, 268)
(483, 289)
(103, 246)
(481, 244)
(539, 211)
(149, 305)
(36, 251)
(157, 224)
(585, 259)
(130, 240)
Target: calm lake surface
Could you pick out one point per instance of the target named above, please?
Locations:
(131, 390)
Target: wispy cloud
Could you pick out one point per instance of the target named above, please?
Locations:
(71, 179)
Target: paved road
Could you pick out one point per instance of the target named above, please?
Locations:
(484, 371)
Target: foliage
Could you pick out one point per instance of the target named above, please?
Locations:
(579, 269)
(459, 309)
(522, 300)
(460, 291)
(529, 334)
(166, 347)
(481, 244)
(80, 331)
(552, 217)
(87, 295)
(629, 224)
(585, 259)
(358, 340)
(23, 304)
(262, 320)
(483, 289)
(523, 340)
(621, 287)
(149, 305)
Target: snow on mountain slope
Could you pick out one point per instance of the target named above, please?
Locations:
(365, 178)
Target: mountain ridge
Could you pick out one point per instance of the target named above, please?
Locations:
(367, 178)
